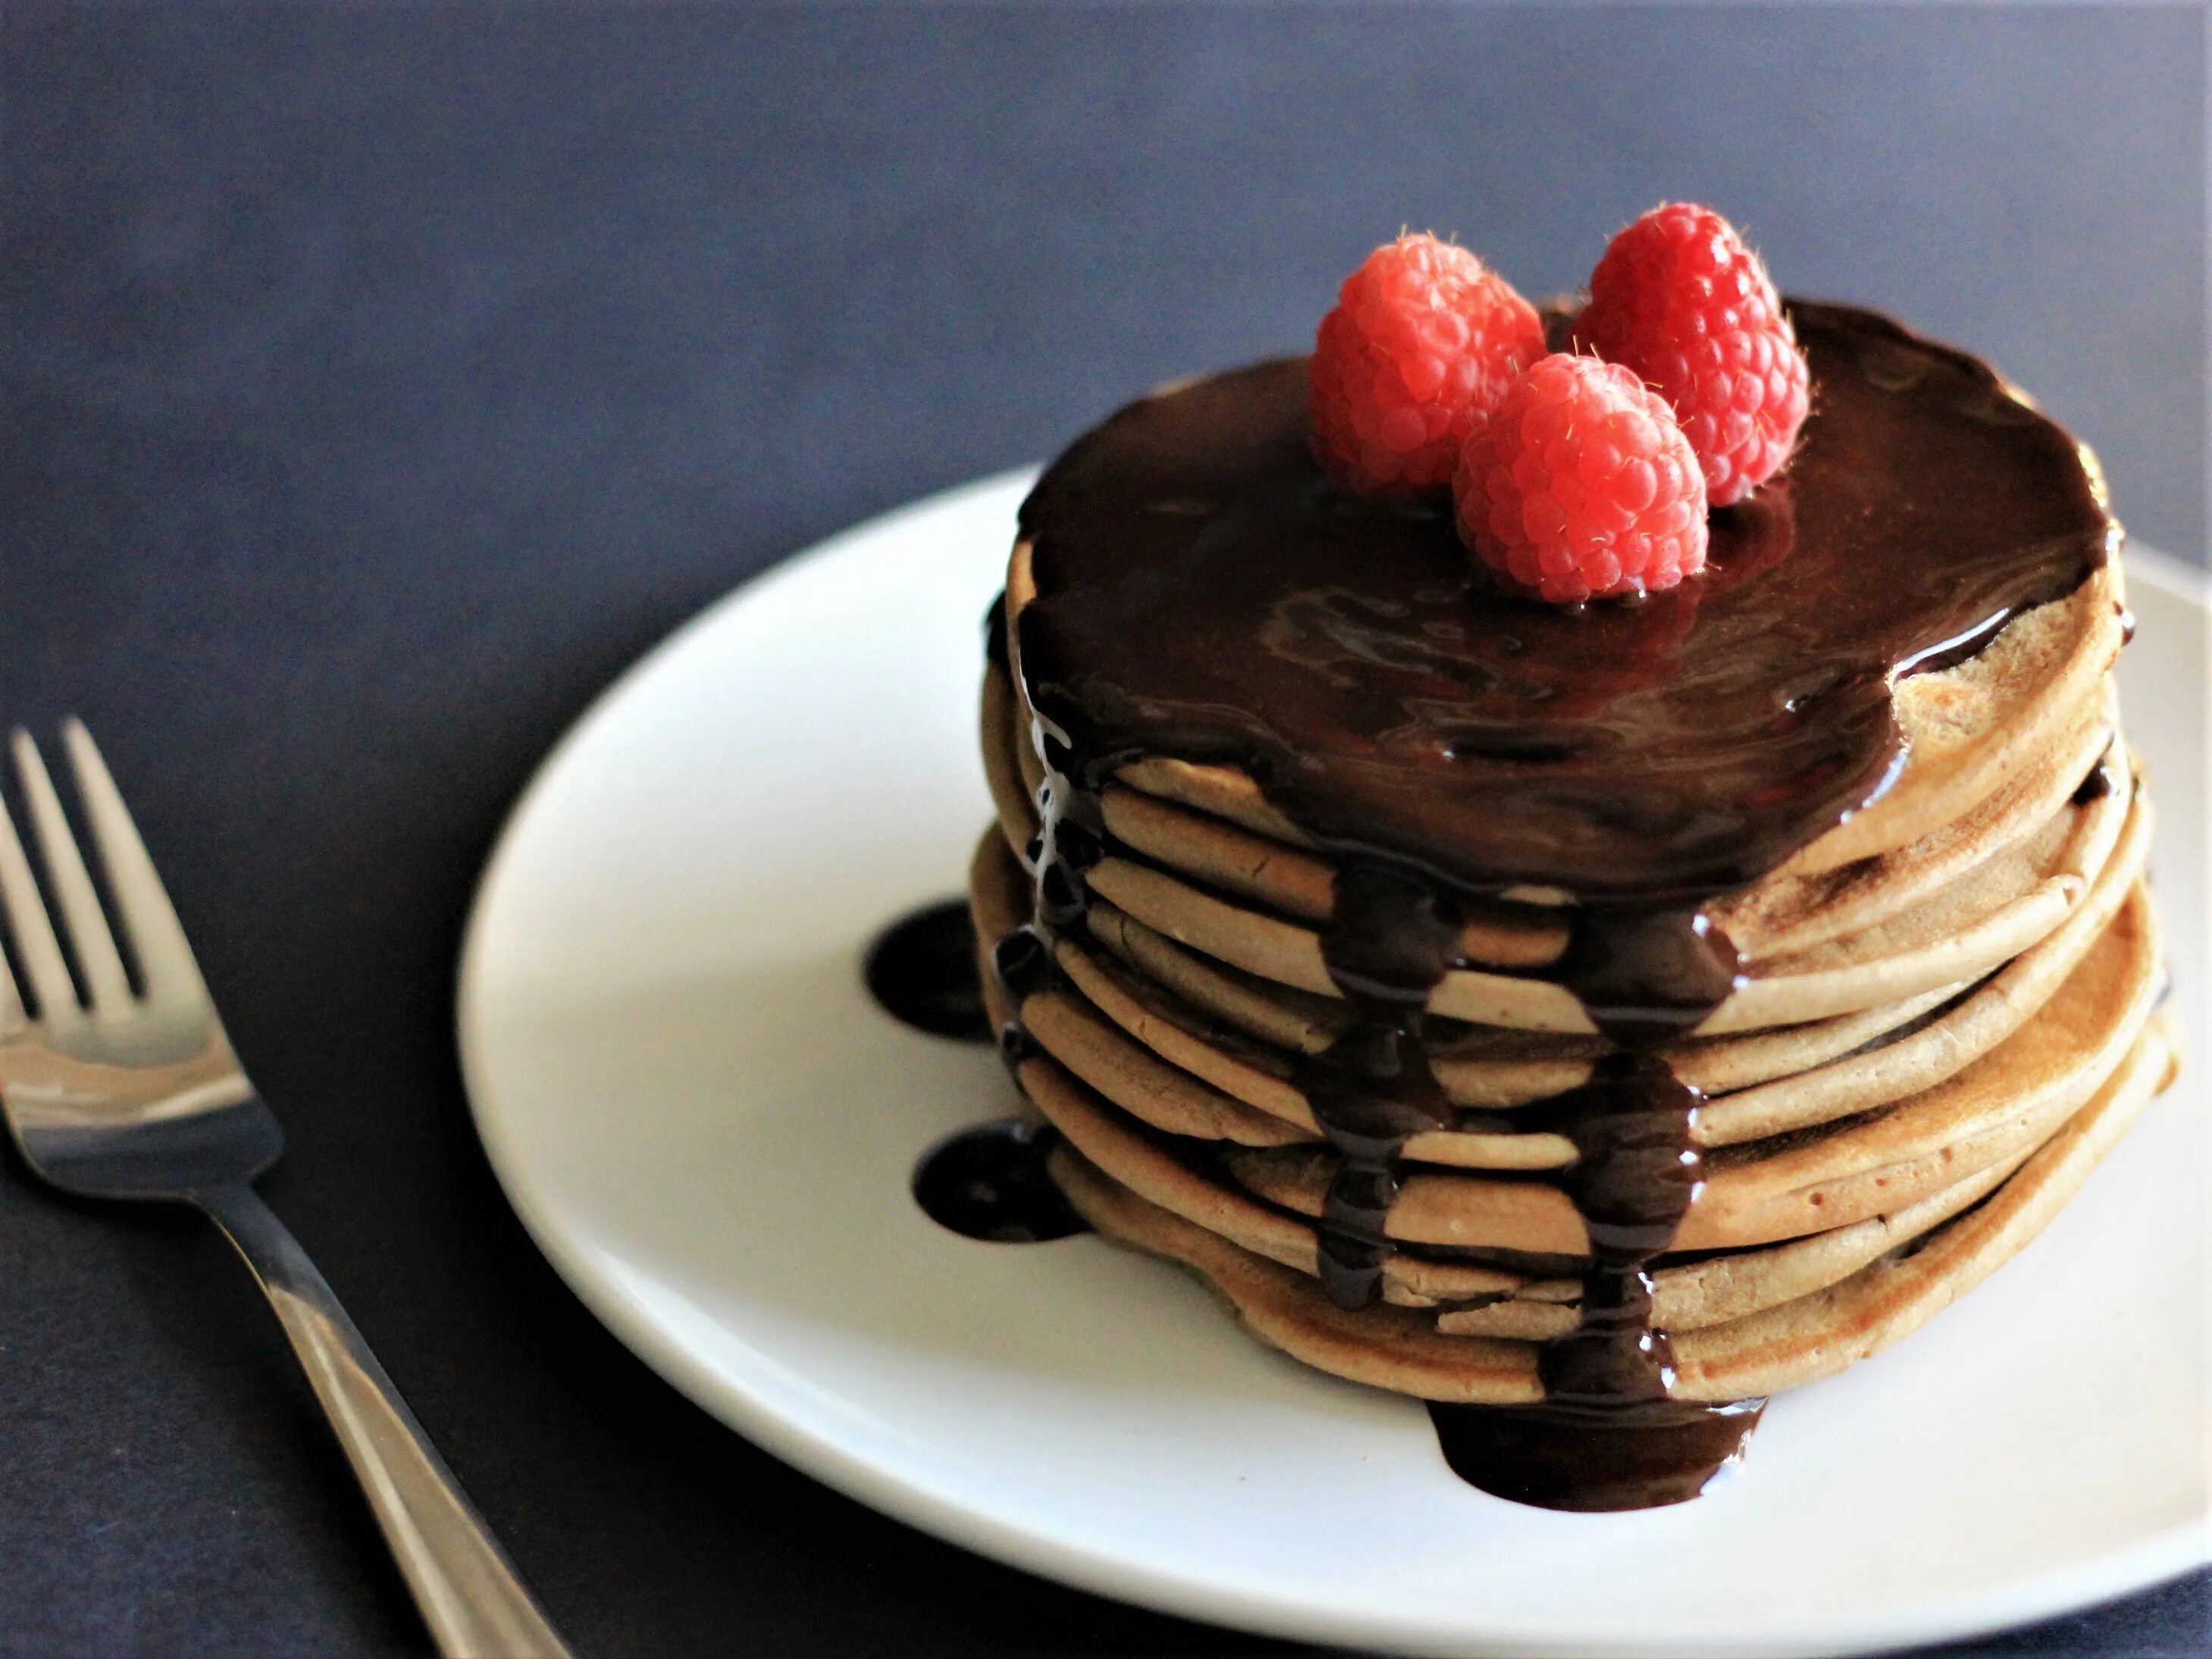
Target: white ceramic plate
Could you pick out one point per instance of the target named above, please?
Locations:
(709, 1129)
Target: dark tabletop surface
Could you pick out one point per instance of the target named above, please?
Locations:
(375, 384)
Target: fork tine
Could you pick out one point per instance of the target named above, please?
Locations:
(12, 1015)
(39, 951)
(156, 936)
(82, 917)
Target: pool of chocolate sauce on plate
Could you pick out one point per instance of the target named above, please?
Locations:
(1202, 594)
(921, 970)
(988, 1181)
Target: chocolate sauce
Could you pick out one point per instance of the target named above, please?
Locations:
(1391, 940)
(921, 970)
(2102, 779)
(1017, 1045)
(1647, 973)
(1635, 1172)
(1023, 963)
(990, 1183)
(1203, 594)
(1638, 1457)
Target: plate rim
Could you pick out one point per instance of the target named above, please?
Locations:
(2157, 1558)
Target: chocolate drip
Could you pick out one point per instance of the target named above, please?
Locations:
(1023, 963)
(1070, 839)
(2101, 780)
(1607, 1434)
(1016, 1044)
(1349, 1250)
(1070, 832)
(1371, 1091)
(994, 633)
(921, 970)
(1646, 974)
(1389, 943)
(1636, 1167)
(990, 1183)
(1635, 1173)
(1391, 937)
(1203, 595)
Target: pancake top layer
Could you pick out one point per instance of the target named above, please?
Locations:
(1203, 594)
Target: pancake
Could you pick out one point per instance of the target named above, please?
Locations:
(1760, 1191)
(1291, 954)
(1995, 1113)
(1244, 1035)
(1730, 1284)
(1804, 1338)
(1981, 1018)
(1490, 1066)
(1787, 912)
(1177, 1076)
(1791, 912)
(1803, 1341)
(1998, 904)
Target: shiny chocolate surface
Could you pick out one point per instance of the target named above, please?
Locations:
(921, 971)
(990, 1183)
(1203, 593)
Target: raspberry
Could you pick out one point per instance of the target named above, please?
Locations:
(1423, 342)
(1682, 300)
(1581, 486)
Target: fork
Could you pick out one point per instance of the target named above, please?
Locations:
(135, 1094)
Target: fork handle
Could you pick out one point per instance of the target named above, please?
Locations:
(470, 1594)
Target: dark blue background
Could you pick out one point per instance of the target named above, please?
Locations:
(374, 384)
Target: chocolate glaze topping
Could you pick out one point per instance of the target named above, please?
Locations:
(1203, 594)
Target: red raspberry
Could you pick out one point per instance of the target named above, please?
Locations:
(1580, 486)
(1682, 300)
(1423, 342)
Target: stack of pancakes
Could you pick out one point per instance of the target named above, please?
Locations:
(1946, 1012)
(1938, 1042)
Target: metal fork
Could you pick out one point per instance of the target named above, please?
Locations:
(137, 1095)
